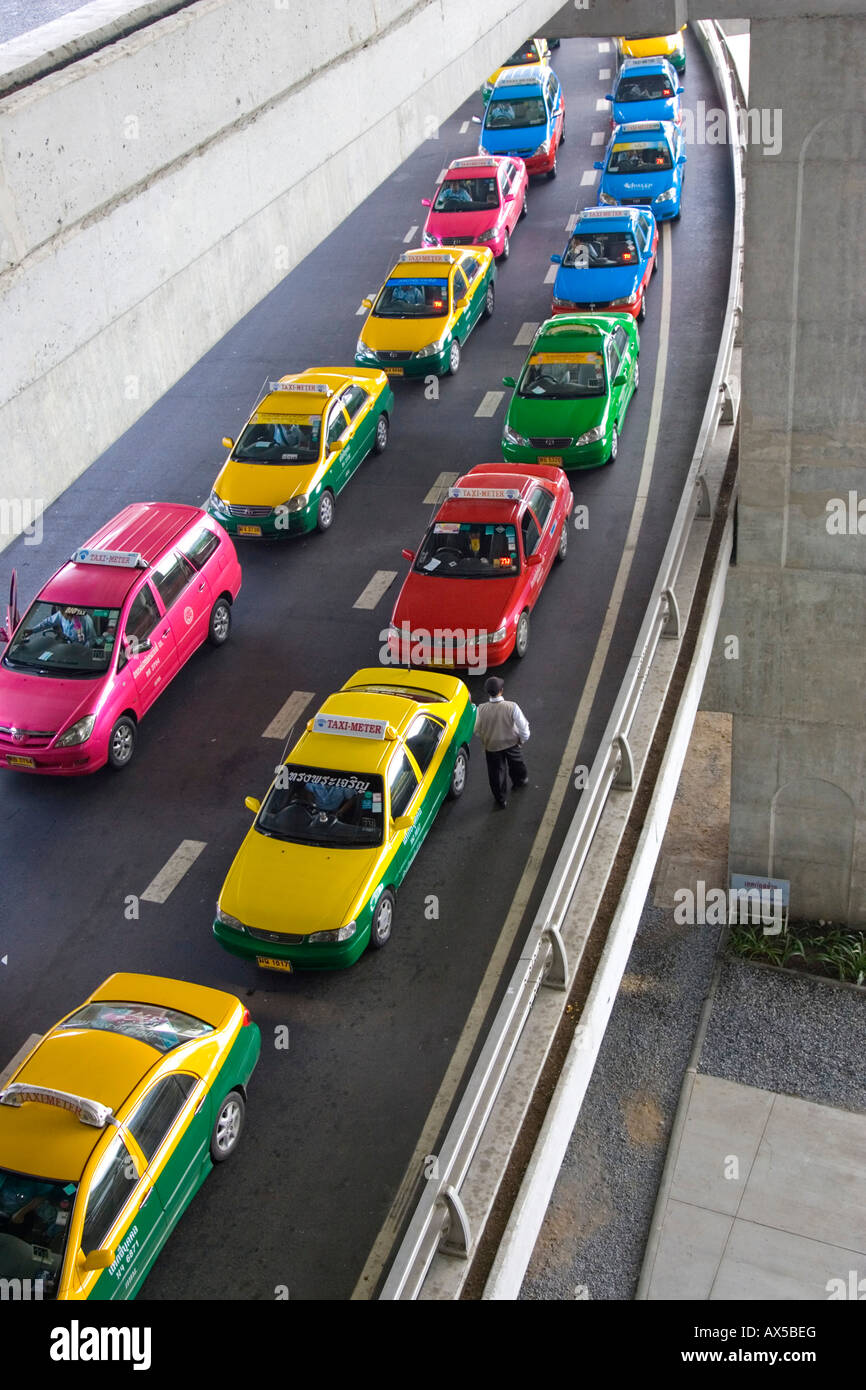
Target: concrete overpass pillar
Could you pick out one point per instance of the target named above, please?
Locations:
(795, 679)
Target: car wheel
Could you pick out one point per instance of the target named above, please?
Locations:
(121, 742)
(614, 446)
(380, 443)
(506, 247)
(641, 313)
(220, 624)
(454, 358)
(325, 513)
(521, 637)
(551, 173)
(458, 776)
(679, 212)
(383, 921)
(636, 378)
(656, 263)
(525, 209)
(563, 541)
(562, 134)
(490, 297)
(227, 1127)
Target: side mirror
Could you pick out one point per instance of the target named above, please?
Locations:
(509, 198)
(556, 259)
(228, 443)
(476, 120)
(620, 380)
(253, 804)
(426, 202)
(408, 555)
(403, 822)
(367, 301)
(680, 91)
(97, 1259)
(598, 164)
(462, 303)
(681, 160)
(533, 560)
(508, 381)
(608, 96)
(337, 447)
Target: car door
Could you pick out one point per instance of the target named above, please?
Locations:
(339, 462)
(122, 1214)
(186, 598)
(473, 271)
(148, 647)
(172, 1126)
(542, 506)
(424, 742)
(358, 405)
(531, 538)
(618, 392)
(404, 781)
(556, 108)
(628, 360)
(460, 296)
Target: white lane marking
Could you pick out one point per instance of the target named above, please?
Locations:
(526, 334)
(15, 1062)
(597, 137)
(409, 235)
(361, 309)
(490, 403)
(571, 223)
(551, 274)
(604, 46)
(464, 127)
(187, 852)
(439, 490)
(562, 782)
(282, 722)
(602, 104)
(378, 585)
(589, 176)
(440, 176)
(603, 74)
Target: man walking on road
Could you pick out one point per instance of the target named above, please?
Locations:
(502, 728)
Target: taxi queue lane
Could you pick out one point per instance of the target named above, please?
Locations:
(333, 1119)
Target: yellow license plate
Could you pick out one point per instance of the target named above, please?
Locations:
(249, 530)
(551, 458)
(393, 371)
(271, 963)
(21, 762)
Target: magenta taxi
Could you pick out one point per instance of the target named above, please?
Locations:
(478, 203)
(107, 634)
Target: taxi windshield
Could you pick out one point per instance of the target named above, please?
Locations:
(64, 639)
(467, 195)
(598, 250)
(647, 158)
(651, 86)
(563, 376)
(504, 113)
(419, 297)
(468, 550)
(294, 439)
(316, 806)
(34, 1221)
(161, 1028)
(526, 54)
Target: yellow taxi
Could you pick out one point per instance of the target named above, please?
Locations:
(425, 311)
(668, 46)
(108, 1129)
(533, 51)
(315, 881)
(303, 441)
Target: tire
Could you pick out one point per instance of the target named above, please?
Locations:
(220, 624)
(325, 512)
(563, 543)
(383, 430)
(457, 785)
(636, 376)
(525, 209)
(614, 446)
(454, 358)
(383, 921)
(641, 313)
(551, 173)
(656, 263)
(227, 1127)
(490, 298)
(521, 639)
(562, 133)
(506, 246)
(121, 742)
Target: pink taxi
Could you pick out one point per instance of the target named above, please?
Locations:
(478, 203)
(107, 634)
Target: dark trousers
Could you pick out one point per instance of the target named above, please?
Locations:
(510, 761)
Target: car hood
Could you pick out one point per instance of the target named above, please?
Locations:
(637, 185)
(551, 419)
(402, 335)
(661, 109)
(583, 286)
(278, 886)
(47, 703)
(432, 603)
(522, 140)
(468, 224)
(264, 484)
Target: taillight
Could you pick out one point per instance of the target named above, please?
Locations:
(246, 1020)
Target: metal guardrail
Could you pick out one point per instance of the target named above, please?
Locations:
(440, 1222)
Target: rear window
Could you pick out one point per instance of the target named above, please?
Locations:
(161, 1028)
(199, 547)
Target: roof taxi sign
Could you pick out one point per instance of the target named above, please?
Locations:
(642, 125)
(311, 387)
(478, 161)
(489, 494)
(350, 726)
(120, 559)
(89, 1112)
(414, 258)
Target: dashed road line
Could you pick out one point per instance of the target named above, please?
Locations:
(410, 235)
(589, 176)
(551, 274)
(159, 888)
(602, 104)
(571, 223)
(598, 136)
(361, 309)
(378, 585)
(439, 490)
(526, 334)
(603, 74)
(281, 724)
(15, 1062)
(490, 403)
(604, 46)
(464, 127)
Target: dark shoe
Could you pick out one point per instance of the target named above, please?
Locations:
(516, 786)
(500, 805)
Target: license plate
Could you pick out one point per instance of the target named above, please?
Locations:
(271, 963)
(393, 371)
(249, 530)
(21, 762)
(551, 458)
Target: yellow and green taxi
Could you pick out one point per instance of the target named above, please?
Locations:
(425, 311)
(533, 51)
(668, 46)
(108, 1129)
(305, 438)
(315, 881)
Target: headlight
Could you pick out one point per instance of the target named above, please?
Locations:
(294, 504)
(498, 635)
(668, 196)
(225, 919)
(623, 303)
(542, 149)
(216, 502)
(510, 436)
(563, 303)
(486, 236)
(606, 198)
(428, 240)
(483, 150)
(79, 733)
(341, 934)
(361, 349)
(431, 349)
(591, 436)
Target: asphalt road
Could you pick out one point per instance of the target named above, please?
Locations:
(21, 16)
(334, 1120)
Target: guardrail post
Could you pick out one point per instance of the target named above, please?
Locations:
(727, 412)
(557, 974)
(624, 778)
(704, 507)
(672, 624)
(456, 1236)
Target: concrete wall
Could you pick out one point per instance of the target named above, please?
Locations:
(153, 192)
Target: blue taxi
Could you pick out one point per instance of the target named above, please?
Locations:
(525, 116)
(646, 89)
(644, 166)
(608, 262)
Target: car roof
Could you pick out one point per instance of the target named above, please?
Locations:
(529, 75)
(488, 509)
(281, 400)
(613, 220)
(426, 262)
(637, 129)
(150, 528)
(479, 163)
(656, 63)
(571, 332)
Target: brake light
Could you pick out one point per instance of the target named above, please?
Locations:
(246, 1020)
